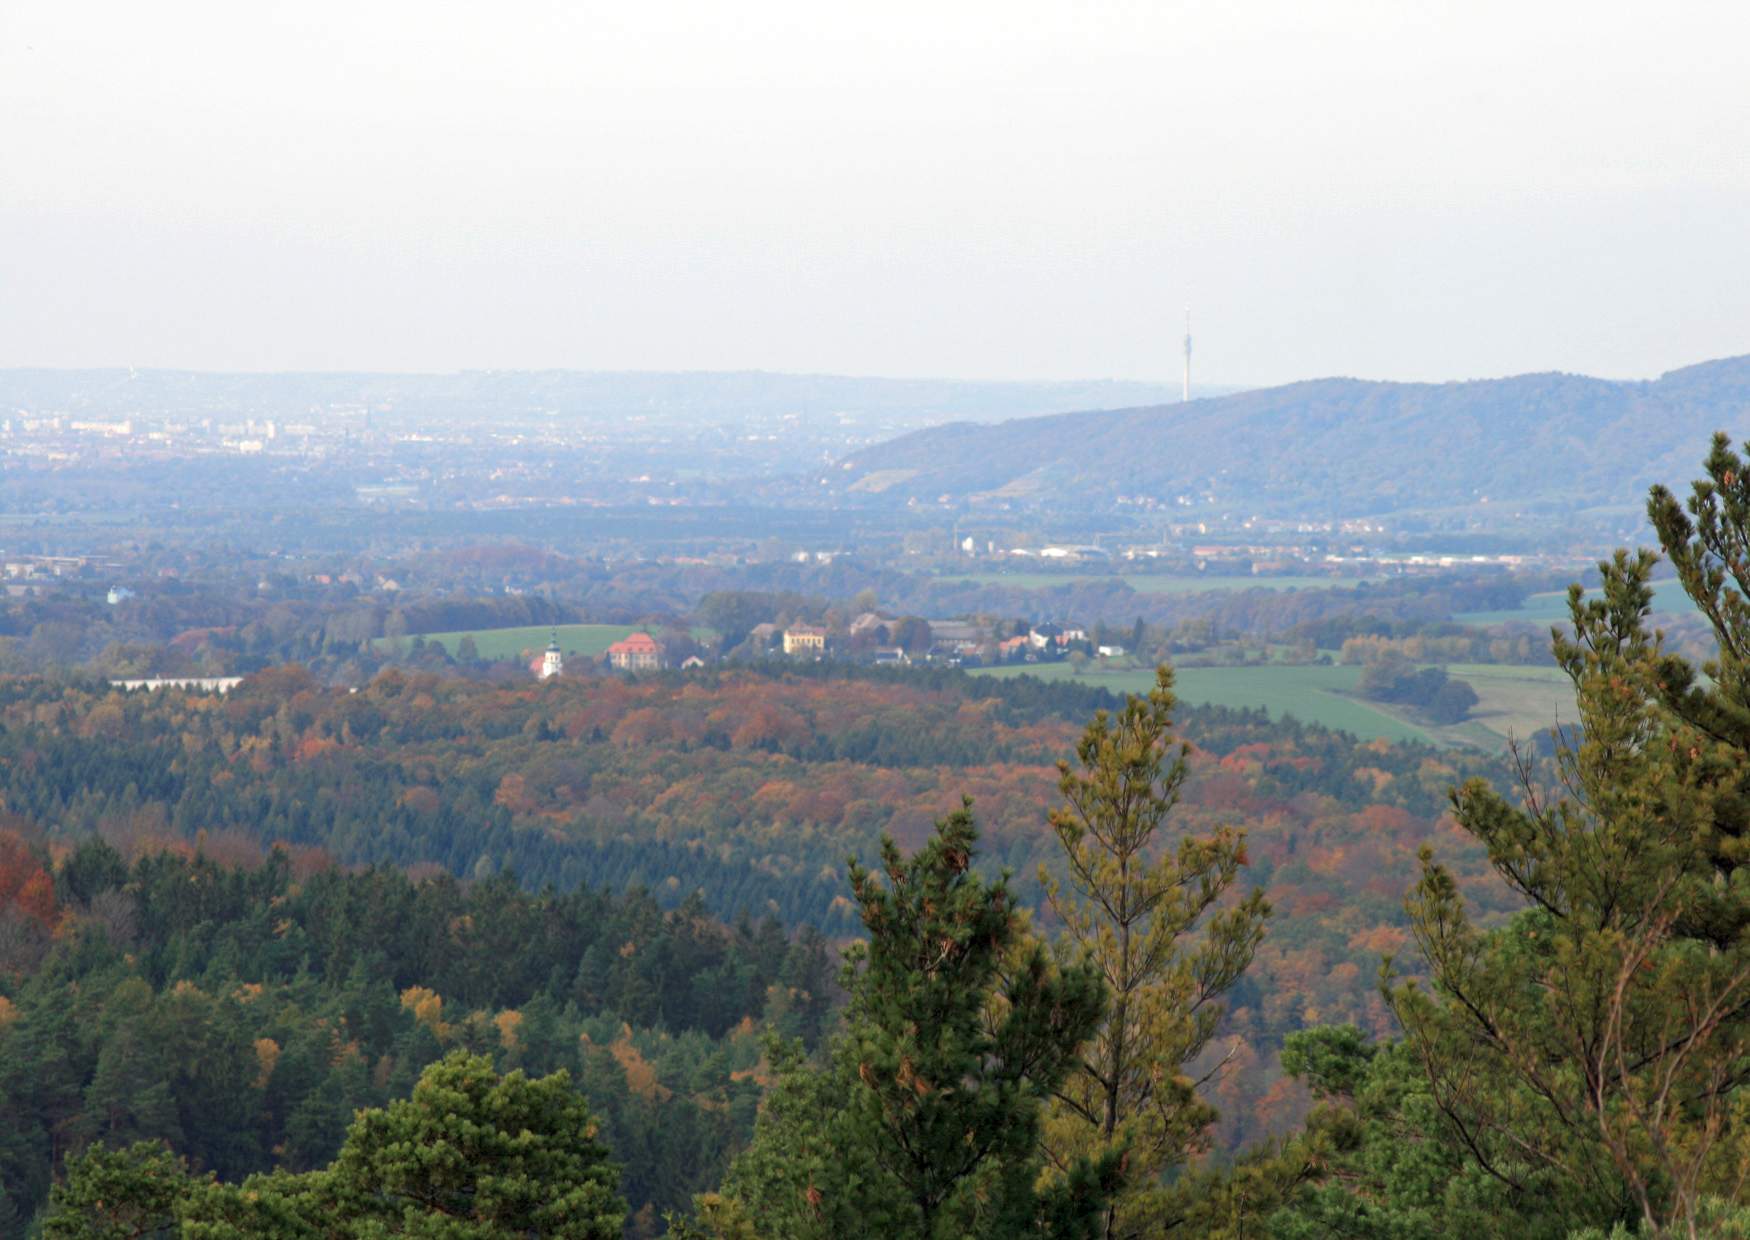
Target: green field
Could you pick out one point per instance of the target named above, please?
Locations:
(1515, 701)
(1314, 693)
(1154, 583)
(1551, 607)
(584, 640)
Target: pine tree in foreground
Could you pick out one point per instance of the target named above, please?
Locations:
(926, 1121)
(1146, 914)
(1593, 1051)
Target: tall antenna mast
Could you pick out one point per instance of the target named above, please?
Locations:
(1187, 393)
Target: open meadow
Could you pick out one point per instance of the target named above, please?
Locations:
(1514, 701)
(1517, 702)
(1551, 607)
(1314, 693)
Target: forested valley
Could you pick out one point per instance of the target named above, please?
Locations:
(821, 951)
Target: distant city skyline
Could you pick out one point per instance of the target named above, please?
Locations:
(1017, 191)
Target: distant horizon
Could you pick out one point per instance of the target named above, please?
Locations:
(642, 371)
(1217, 387)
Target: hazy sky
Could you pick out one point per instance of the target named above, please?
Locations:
(1005, 189)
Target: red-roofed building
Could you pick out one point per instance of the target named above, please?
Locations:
(639, 652)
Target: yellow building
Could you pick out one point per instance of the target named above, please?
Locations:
(805, 639)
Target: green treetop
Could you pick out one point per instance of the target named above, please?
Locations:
(927, 1120)
(470, 1156)
(1591, 1052)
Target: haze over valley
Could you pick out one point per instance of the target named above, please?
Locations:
(785, 622)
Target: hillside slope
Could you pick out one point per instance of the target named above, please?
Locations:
(1340, 446)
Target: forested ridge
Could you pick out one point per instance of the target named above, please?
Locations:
(749, 787)
(1165, 973)
(737, 794)
(1296, 448)
(242, 1013)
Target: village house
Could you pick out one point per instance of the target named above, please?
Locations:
(1043, 635)
(871, 623)
(805, 639)
(762, 636)
(956, 636)
(639, 652)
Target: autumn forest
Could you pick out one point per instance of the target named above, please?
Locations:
(786, 950)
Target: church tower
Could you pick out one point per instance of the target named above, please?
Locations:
(552, 662)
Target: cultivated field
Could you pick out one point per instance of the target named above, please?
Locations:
(1314, 693)
(1551, 607)
(1515, 701)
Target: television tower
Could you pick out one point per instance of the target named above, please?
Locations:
(1186, 396)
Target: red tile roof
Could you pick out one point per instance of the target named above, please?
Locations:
(637, 643)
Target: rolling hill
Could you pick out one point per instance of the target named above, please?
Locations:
(1335, 446)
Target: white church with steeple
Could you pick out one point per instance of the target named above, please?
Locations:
(552, 662)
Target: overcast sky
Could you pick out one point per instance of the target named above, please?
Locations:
(1007, 189)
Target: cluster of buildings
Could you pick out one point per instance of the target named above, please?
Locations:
(1255, 546)
(636, 652)
(63, 437)
(39, 567)
(870, 638)
(1048, 642)
(23, 576)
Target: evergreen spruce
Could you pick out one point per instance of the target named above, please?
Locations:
(927, 1119)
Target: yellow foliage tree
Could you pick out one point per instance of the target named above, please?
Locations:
(1151, 918)
(267, 1054)
(427, 1007)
